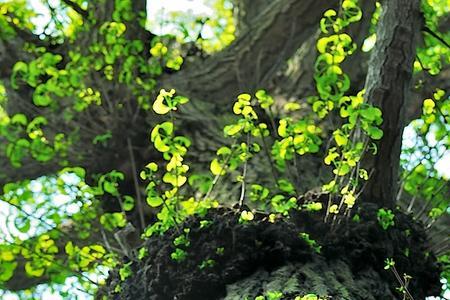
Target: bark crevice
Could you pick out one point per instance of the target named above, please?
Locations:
(388, 83)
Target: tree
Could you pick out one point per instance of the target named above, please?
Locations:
(265, 162)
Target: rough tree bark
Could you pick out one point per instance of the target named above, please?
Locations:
(269, 34)
(388, 85)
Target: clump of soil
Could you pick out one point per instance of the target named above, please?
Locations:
(226, 252)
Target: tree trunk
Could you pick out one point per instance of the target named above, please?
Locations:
(388, 84)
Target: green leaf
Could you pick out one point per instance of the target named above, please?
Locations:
(291, 106)
(313, 206)
(329, 21)
(223, 151)
(245, 97)
(200, 182)
(265, 101)
(428, 106)
(308, 297)
(322, 44)
(286, 186)
(19, 67)
(160, 145)
(282, 128)
(167, 127)
(70, 250)
(340, 138)
(41, 99)
(19, 119)
(159, 107)
(22, 224)
(331, 157)
(41, 151)
(6, 255)
(113, 220)
(258, 193)
(342, 169)
(181, 100)
(352, 12)
(247, 110)
(375, 133)
(79, 171)
(125, 271)
(174, 180)
(155, 201)
(178, 255)
(7, 270)
(152, 167)
(247, 215)
(128, 203)
(110, 187)
(216, 168)
(363, 174)
(371, 113)
(33, 270)
(233, 129)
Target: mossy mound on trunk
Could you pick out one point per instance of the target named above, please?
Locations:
(232, 260)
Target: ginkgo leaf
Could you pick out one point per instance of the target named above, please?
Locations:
(154, 201)
(216, 168)
(247, 215)
(33, 270)
(159, 107)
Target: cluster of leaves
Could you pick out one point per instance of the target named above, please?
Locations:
(420, 178)
(385, 218)
(424, 187)
(163, 191)
(361, 120)
(250, 137)
(433, 55)
(41, 214)
(277, 295)
(114, 55)
(21, 12)
(312, 243)
(27, 138)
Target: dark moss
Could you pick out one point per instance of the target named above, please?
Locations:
(261, 246)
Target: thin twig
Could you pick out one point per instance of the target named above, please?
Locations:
(244, 174)
(436, 36)
(76, 8)
(403, 284)
(136, 183)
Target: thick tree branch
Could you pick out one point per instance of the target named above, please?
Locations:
(27, 35)
(388, 84)
(245, 11)
(296, 80)
(246, 65)
(257, 54)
